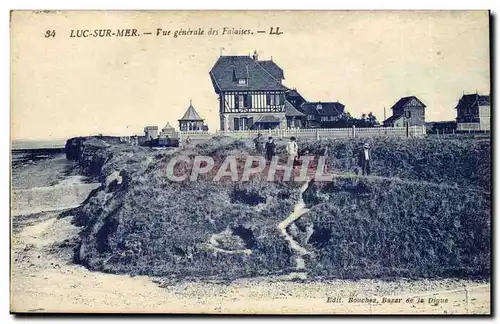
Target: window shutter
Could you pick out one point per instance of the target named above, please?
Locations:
(236, 124)
(281, 99)
(245, 100)
(249, 101)
(268, 100)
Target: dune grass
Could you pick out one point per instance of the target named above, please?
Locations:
(426, 215)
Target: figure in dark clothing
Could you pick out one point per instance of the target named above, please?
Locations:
(259, 143)
(270, 149)
(364, 159)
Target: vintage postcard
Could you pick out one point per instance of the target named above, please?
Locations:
(250, 162)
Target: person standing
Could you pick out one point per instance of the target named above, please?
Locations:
(270, 149)
(364, 159)
(292, 149)
(259, 143)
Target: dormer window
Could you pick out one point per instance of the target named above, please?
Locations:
(242, 81)
(319, 106)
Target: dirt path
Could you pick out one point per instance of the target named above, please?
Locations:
(298, 211)
(44, 279)
(214, 244)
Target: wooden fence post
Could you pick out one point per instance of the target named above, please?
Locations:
(317, 134)
(353, 131)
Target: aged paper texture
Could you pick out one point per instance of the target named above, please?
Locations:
(250, 162)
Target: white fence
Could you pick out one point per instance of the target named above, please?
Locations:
(306, 133)
(473, 127)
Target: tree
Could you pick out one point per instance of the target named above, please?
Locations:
(372, 120)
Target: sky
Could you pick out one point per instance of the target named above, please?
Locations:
(66, 86)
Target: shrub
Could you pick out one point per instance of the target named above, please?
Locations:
(371, 227)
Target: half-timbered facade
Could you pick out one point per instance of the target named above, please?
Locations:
(406, 111)
(251, 94)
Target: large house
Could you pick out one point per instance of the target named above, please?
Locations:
(251, 93)
(406, 111)
(252, 96)
(473, 112)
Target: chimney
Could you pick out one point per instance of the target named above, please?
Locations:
(255, 56)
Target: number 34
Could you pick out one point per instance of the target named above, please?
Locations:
(50, 33)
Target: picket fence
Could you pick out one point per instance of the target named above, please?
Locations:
(305, 133)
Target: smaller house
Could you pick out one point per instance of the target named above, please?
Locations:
(321, 114)
(473, 113)
(150, 132)
(406, 111)
(294, 118)
(294, 97)
(191, 121)
(168, 131)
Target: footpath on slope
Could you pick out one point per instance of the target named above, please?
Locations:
(299, 210)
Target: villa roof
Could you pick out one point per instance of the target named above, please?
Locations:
(259, 75)
(291, 111)
(191, 114)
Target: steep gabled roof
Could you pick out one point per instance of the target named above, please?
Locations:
(291, 111)
(228, 69)
(191, 114)
(471, 100)
(391, 120)
(167, 126)
(406, 100)
(293, 93)
(327, 108)
(273, 69)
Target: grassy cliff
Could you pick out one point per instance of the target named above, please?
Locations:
(428, 214)
(371, 227)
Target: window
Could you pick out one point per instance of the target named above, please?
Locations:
(319, 106)
(243, 123)
(324, 118)
(310, 117)
(273, 99)
(408, 114)
(242, 101)
(242, 81)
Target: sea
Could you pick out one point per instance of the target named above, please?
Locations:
(37, 144)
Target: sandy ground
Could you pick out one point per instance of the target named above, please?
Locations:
(43, 279)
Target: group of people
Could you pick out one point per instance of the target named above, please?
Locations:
(292, 149)
(269, 147)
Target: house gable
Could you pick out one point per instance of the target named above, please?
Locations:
(259, 75)
(406, 102)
